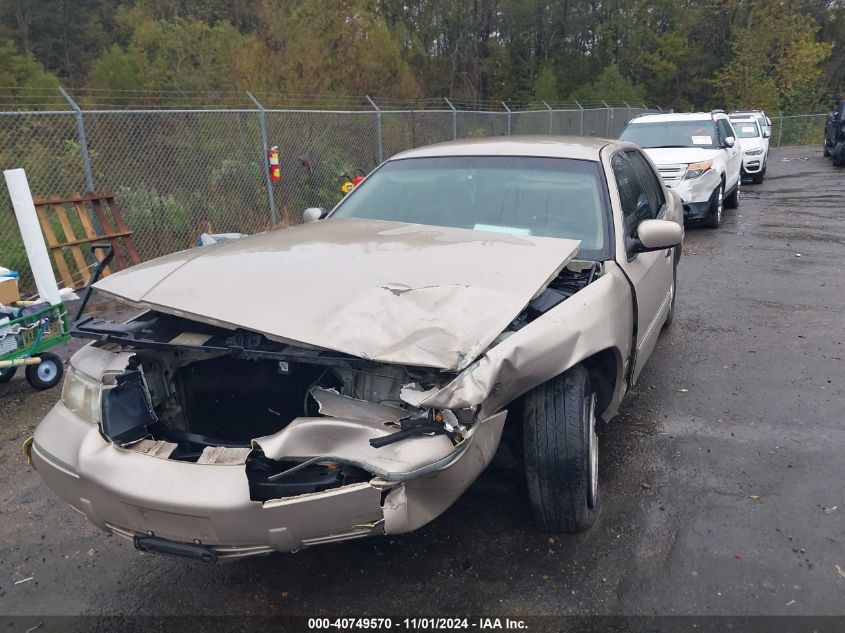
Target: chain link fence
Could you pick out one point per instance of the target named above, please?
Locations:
(798, 129)
(180, 172)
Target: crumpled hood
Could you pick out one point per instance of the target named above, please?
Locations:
(386, 291)
(677, 155)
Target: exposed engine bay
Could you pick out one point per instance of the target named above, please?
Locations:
(570, 280)
(192, 392)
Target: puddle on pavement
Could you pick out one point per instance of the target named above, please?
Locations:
(801, 237)
(817, 202)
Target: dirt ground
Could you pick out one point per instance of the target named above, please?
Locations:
(723, 475)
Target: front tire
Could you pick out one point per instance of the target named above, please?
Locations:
(717, 205)
(732, 201)
(561, 453)
(45, 374)
(757, 178)
(7, 374)
(839, 154)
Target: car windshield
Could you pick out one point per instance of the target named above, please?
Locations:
(760, 118)
(746, 129)
(654, 134)
(550, 197)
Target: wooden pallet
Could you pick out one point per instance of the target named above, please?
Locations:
(92, 209)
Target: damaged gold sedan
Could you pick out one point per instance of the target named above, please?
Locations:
(352, 376)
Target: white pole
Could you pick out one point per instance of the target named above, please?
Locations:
(33, 240)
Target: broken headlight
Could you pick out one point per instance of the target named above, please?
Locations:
(81, 394)
(694, 170)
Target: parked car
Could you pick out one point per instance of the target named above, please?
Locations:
(352, 376)
(698, 155)
(755, 148)
(762, 119)
(834, 135)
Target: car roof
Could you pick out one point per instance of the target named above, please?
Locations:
(547, 146)
(744, 120)
(677, 116)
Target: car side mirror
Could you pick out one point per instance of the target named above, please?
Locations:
(766, 134)
(730, 141)
(312, 214)
(655, 235)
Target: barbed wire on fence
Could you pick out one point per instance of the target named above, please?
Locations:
(183, 163)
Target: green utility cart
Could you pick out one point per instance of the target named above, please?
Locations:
(24, 342)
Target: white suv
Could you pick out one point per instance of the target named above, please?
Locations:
(698, 155)
(763, 121)
(755, 146)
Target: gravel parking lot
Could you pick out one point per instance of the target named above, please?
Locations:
(723, 475)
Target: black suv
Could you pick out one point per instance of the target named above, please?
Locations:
(834, 135)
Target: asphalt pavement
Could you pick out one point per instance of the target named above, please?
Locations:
(723, 475)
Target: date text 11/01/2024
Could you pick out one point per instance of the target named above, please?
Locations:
(416, 624)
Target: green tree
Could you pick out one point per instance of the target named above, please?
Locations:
(610, 86)
(833, 32)
(776, 61)
(181, 54)
(339, 47)
(545, 86)
(64, 35)
(23, 80)
(679, 53)
(116, 69)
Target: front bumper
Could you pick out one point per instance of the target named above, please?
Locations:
(133, 494)
(752, 164)
(696, 193)
(697, 210)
